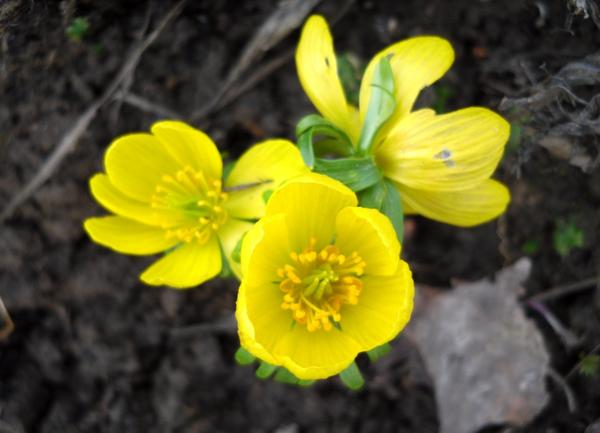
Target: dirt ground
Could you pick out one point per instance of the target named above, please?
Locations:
(94, 350)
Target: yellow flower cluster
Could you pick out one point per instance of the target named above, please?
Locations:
(321, 276)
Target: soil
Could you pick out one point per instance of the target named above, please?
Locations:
(94, 350)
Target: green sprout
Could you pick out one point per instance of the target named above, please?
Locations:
(566, 237)
(530, 247)
(590, 365)
(78, 29)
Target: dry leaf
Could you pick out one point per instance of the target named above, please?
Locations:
(487, 360)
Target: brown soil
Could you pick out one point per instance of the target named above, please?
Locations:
(94, 349)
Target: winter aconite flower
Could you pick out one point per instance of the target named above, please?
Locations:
(167, 193)
(323, 280)
(440, 164)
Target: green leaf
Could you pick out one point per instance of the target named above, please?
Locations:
(352, 378)
(381, 105)
(307, 151)
(567, 236)
(373, 196)
(530, 247)
(283, 375)
(243, 357)
(379, 352)
(590, 365)
(236, 253)
(392, 207)
(265, 370)
(227, 167)
(384, 197)
(356, 173)
(226, 271)
(515, 137)
(78, 28)
(266, 195)
(310, 126)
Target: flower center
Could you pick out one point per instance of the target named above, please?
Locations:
(317, 283)
(197, 203)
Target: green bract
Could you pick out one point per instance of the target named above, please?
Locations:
(334, 155)
(381, 105)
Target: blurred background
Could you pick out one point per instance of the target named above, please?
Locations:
(94, 350)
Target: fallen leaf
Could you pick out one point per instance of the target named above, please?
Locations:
(487, 360)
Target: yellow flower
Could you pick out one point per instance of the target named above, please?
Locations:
(167, 194)
(441, 164)
(323, 280)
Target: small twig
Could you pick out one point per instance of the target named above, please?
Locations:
(225, 325)
(566, 290)
(9, 325)
(261, 73)
(276, 27)
(564, 382)
(146, 105)
(229, 93)
(568, 339)
(71, 137)
(571, 400)
(127, 81)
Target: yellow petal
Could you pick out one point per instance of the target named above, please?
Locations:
(355, 125)
(117, 202)
(135, 164)
(371, 234)
(315, 355)
(190, 147)
(449, 152)
(384, 307)
(466, 208)
(416, 62)
(127, 236)
(266, 166)
(317, 70)
(265, 249)
(229, 235)
(246, 330)
(310, 204)
(187, 266)
(267, 323)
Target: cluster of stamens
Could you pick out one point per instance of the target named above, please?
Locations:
(197, 201)
(317, 283)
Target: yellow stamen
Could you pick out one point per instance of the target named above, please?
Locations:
(196, 202)
(318, 283)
